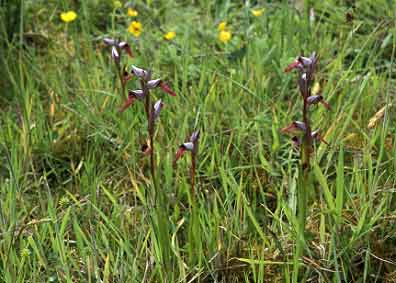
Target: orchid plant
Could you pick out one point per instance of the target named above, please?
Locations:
(117, 48)
(304, 138)
(302, 134)
(147, 84)
(192, 147)
(152, 109)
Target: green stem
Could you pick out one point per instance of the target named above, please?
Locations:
(193, 166)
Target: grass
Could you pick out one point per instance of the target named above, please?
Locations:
(75, 187)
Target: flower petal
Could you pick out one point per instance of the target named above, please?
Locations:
(188, 146)
(167, 89)
(157, 109)
(179, 154)
(128, 102)
(296, 64)
(115, 55)
(194, 136)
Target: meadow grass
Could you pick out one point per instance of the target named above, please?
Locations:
(75, 197)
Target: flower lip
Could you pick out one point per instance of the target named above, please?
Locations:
(128, 102)
(167, 89)
(179, 154)
(295, 64)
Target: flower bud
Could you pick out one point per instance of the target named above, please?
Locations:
(303, 83)
(153, 83)
(109, 41)
(115, 55)
(157, 109)
(141, 73)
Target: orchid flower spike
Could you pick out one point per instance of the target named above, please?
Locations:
(301, 63)
(119, 45)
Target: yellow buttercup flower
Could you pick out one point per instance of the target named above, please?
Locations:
(132, 12)
(135, 28)
(170, 35)
(224, 36)
(258, 12)
(68, 17)
(117, 4)
(222, 26)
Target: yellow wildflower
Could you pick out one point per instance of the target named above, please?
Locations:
(222, 26)
(132, 12)
(170, 35)
(224, 36)
(68, 17)
(117, 4)
(258, 12)
(135, 28)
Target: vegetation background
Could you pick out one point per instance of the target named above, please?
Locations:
(74, 184)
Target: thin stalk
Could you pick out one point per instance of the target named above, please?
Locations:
(149, 109)
(304, 181)
(121, 76)
(193, 166)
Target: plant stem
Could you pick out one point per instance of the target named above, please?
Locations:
(120, 74)
(193, 165)
(149, 109)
